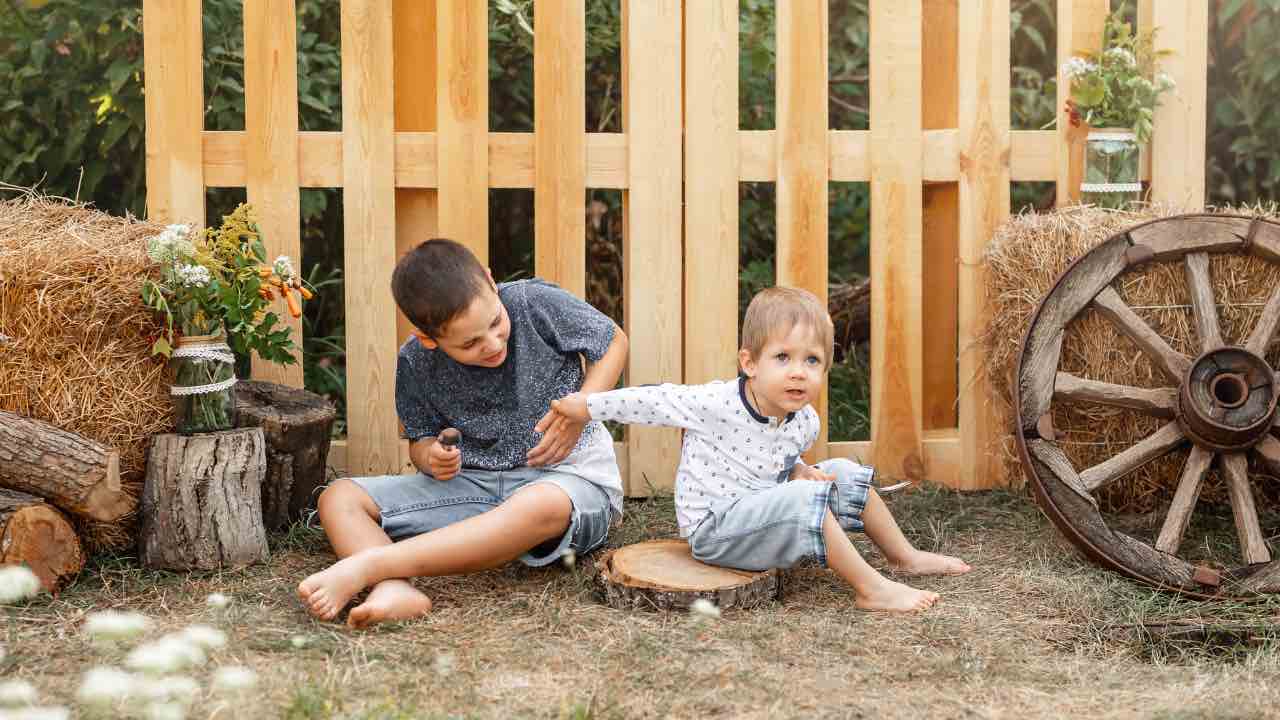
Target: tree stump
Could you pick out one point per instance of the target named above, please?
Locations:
(296, 424)
(201, 501)
(69, 470)
(34, 534)
(662, 575)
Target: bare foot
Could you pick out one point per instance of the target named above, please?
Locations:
(927, 563)
(328, 591)
(890, 596)
(389, 600)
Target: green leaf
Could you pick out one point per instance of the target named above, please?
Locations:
(161, 347)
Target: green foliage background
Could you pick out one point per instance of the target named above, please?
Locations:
(72, 121)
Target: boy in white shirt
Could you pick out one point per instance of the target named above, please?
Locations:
(744, 498)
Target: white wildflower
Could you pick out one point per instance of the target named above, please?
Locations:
(704, 608)
(17, 692)
(444, 663)
(105, 685)
(169, 653)
(1077, 66)
(1123, 55)
(193, 275)
(283, 267)
(217, 601)
(17, 582)
(166, 711)
(233, 678)
(299, 641)
(569, 558)
(205, 636)
(1165, 80)
(115, 625)
(169, 687)
(36, 713)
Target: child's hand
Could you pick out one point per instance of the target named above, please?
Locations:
(573, 407)
(801, 471)
(443, 460)
(560, 432)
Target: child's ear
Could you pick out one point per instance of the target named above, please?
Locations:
(425, 340)
(746, 363)
(492, 283)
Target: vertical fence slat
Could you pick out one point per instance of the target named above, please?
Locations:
(1178, 142)
(652, 235)
(271, 149)
(984, 204)
(940, 226)
(711, 187)
(1080, 24)
(173, 62)
(368, 174)
(560, 158)
(414, 43)
(896, 226)
(463, 116)
(803, 157)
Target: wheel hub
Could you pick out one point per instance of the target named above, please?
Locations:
(1227, 399)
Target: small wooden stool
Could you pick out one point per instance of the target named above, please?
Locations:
(202, 502)
(662, 575)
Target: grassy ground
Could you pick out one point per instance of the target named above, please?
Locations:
(1034, 630)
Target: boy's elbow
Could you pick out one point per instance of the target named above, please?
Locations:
(620, 340)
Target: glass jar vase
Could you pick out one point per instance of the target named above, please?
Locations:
(1112, 167)
(203, 390)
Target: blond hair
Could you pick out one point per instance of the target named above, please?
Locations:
(775, 311)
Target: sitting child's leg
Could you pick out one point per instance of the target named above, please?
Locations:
(860, 508)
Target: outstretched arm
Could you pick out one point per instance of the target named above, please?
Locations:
(561, 433)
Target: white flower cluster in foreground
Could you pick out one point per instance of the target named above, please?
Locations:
(171, 245)
(704, 608)
(17, 583)
(1077, 66)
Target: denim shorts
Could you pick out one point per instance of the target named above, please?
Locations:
(414, 504)
(779, 527)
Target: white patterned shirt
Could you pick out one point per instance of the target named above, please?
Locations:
(730, 450)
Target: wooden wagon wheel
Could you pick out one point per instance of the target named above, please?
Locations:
(1221, 403)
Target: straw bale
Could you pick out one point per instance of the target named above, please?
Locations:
(1024, 261)
(75, 337)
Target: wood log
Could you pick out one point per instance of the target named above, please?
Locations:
(849, 305)
(34, 534)
(201, 501)
(296, 424)
(70, 471)
(662, 575)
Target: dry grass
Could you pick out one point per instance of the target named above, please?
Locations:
(1033, 631)
(1025, 260)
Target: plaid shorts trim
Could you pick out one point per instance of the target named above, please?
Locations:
(818, 505)
(846, 497)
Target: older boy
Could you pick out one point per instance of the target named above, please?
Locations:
(744, 499)
(524, 483)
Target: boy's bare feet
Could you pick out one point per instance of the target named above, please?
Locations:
(890, 596)
(328, 591)
(920, 562)
(389, 600)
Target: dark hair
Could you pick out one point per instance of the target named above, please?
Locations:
(436, 281)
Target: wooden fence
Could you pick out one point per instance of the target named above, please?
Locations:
(415, 158)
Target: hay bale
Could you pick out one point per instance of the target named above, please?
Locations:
(1024, 261)
(75, 337)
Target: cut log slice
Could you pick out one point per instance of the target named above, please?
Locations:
(34, 534)
(71, 471)
(662, 575)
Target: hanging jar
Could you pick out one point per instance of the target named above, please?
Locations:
(204, 377)
(1112, 166)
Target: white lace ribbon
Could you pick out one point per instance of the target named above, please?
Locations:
(1111, 187)
(204, 351)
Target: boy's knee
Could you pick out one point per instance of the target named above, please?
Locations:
(548, 509)
(345, 495)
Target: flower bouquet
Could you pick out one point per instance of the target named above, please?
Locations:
(1115, 92)
(214, 289)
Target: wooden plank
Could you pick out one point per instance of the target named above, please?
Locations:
(1033, 155)
(560, 160)
(1160, 443)
(1184, 500)
(1200, 287)
(1172, 238)
(271, 152)
(941, 455)
(173, 64)
(1080, 25)
(711, 181)
(368, 152)
(896, 227)
(414, 56)
(1253, 544)
(1178, 142)
(1265, 330)
(1157, 402)
(462, 116)
(652, 233)
(940, 229)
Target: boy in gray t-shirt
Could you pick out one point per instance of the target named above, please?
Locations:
(486, 360)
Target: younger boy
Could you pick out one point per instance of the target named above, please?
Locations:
(524, 483)
(742, 443)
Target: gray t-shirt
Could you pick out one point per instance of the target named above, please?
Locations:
(495, 409)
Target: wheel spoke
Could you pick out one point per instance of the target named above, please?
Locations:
(1158, 444)
(1269, 450)
(1252, 544)
(1202, 305)
(1184, 501)
(1173, 363)
(1159, 402)
(1268, 321)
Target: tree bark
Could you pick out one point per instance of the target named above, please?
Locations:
(296, 424)
(34, 534)
(69, 470)
(201, 501)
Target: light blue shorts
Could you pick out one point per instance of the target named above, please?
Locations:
(779, 527)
